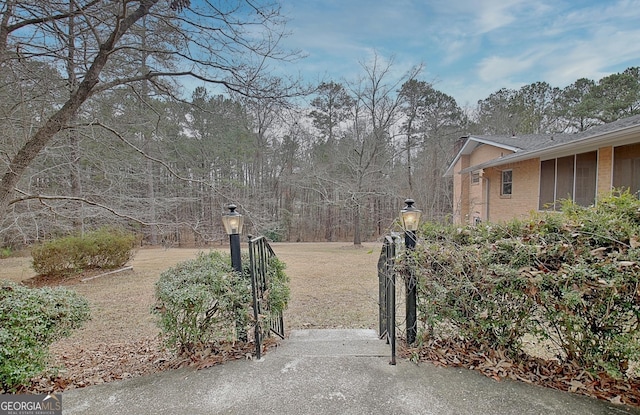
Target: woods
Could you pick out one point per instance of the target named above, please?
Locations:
(155, 114)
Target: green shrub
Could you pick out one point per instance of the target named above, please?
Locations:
(593, 311)
(485, 302)
(5, 252)
(30, 320)
(105, 248)
(279, 291)
(205, 301)
(201, 301)
(275, 234)
(571, 277)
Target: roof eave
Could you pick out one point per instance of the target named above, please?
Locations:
(617, 137)
(468, 149)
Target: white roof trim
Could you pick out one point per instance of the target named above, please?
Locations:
(471, 144)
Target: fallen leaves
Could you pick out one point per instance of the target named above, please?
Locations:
(548, 373)
(87, 365)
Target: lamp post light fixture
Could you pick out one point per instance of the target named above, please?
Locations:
(410, 219)
(233, 222)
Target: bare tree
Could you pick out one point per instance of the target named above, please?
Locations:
(229, 44)
(370, 152)
(331, 107)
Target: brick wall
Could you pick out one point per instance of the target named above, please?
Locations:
(524, 194)
(470, 199)
(486, 152)
(460, 191)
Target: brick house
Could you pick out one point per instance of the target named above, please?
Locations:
(497, 178)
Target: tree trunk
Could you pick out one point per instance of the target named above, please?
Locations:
(357, 239)
(60, 119)
(74, 171)
(4, 28)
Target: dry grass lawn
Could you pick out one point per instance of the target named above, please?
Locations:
(333, 285)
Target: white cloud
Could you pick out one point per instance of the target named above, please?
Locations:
(495, 14)
(594, 57)
(472, 46)
(496, 68)
(589, 43)
(480, 17)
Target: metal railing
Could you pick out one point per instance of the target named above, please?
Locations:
(387, 294)
(260, 254)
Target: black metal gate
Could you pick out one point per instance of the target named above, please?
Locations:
(387, 294)
(260, 254)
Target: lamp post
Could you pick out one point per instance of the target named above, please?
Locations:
(410, 218)
(233, 222)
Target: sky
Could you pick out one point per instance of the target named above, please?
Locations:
(469, 48)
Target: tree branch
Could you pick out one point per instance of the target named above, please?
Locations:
(41, 198)
(154, 159)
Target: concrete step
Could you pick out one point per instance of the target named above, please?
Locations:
(327, 372)
(330, 342)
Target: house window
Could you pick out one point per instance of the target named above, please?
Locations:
(626, 167)
(475, 177)
(568, 178)
(507, 183)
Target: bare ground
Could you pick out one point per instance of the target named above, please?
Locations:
(333, 285)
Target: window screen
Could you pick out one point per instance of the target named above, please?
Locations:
(586, 172)
(547, 184)
(571, 177)
(626, 167)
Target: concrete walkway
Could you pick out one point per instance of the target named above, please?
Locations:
(327, 372)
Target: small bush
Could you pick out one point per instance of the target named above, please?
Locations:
(201, 301)
(278, 291)
(275, 234)
(205, 301)
(276, 295)
(106, 248)
(5, 252)
(30, 320)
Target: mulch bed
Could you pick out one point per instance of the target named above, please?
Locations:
(66, 280)
(103, 363)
